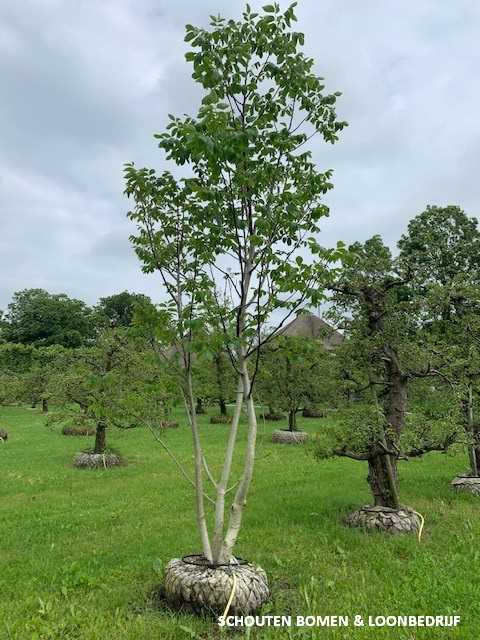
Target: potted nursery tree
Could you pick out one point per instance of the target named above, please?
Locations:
(385, 350)
(291, 375)
(442, 248)
(95, 379)
(232, 229)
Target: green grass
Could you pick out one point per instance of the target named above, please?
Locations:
(82, 551)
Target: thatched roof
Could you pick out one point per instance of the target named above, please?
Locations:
(308, 325)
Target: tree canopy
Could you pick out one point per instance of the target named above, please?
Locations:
(118, 309)
(40, 318)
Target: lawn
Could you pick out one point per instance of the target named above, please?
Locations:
(82, 551)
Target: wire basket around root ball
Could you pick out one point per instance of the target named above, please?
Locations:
(220, 419)
(314, 413)
(78, 430)
(284, 436)
(169, 424)
(91, 460)
(191, 583)
(466, 483)
(403, 520)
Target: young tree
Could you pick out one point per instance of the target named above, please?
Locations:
(96, 379)
(252, 197)
(36, 382)
(293, 376)
(214, 377)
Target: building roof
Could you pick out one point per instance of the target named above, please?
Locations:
(308, 325)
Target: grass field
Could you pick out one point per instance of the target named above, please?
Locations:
(82, 551)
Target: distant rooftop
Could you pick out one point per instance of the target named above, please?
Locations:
(308, 325)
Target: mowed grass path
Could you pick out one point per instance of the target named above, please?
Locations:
(82, 551)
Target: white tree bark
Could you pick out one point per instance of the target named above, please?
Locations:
(223, 483)
(198, 453)
(239, 500)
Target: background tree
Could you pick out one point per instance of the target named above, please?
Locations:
(3, 326)
(40, 318)
(442, 249)
(16, 361)
(384, 352)
(252, 198)
(440, 244)
(213, 375)
(118, 309)
(36, 383)
(293, 375)
(95, 380)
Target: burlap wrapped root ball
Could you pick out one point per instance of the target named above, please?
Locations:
(78, 430)
(88, 460)
(207, 589)
(402, 520)
(289, 437)
(169, 424)
(310, 412)
(220, 419)
(467, 483)
(273, 417)
(3, 435)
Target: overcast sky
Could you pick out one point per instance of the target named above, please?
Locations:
(86, 83)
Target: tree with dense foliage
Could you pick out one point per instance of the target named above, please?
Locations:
(442, 249)
(440, 244)
(16, 361)
(385, 351)
(95, 380)
(251, 198)
(36, 383)
(40, 318)
(213, 375)
(294, 375)
(118, 309)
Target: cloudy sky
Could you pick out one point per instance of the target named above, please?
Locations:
(85, 84)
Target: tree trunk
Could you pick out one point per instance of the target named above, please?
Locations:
(199, 409)
(396, 399)
(220, 373)
(223, 406)
(476, 448)
(473, 431)
(44, 405)
(292, 420)
(381, 479)
(100, 438)
(189, 399)
(240, 498)
(217, 547)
